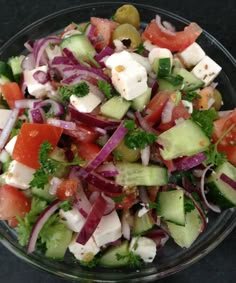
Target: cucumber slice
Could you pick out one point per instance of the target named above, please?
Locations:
(15, 64)
(171, 206)
(220, 192)
(5, 73)
(142, 223)
(43, 193)
(184, 139)
(190, 81)
(116, 107)
(80, 46)
(109, 258)
(165, 85)
(140, 102)
(184, 236)
(135, 174)
(125, 153)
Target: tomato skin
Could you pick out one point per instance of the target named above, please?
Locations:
(178, 42)
(29, 140)
(11, 92)
(67, 189)
(156, 106)
(88, 151)
(13, 203)
(82, 133)
(103, 31)
(228, 144)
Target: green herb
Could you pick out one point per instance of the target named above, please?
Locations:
(153, 205)
(66, 205)
(176, 178)
(92, 263)
(191, 96)
(188, 205)
(205, 120)
(140, 49)
(136, 138)
(174, 80)
(133, 260)
(81, 89)
(105, 88)
(119, 199)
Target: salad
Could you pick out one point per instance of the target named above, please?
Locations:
(113, 142)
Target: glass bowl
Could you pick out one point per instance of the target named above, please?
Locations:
(171, 258)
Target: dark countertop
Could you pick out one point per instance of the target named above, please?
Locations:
(215, 16)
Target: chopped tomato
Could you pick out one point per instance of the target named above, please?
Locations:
(67, 189)
(178, 112)
(103, 31)
(88, 151)
(12, 203)
(11, 92)
(156, 106)
(29, 140)
(228, 144)
(177, 42)
(82, 133)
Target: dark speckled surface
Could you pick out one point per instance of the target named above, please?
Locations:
(215, 16)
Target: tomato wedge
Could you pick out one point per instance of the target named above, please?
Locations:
(88, 151)
(177, 42)
(30, 137)
(11, 92)
(82, 133)
(12, 203)
(228, 144)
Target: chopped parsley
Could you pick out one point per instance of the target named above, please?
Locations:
(140, 48)
(153, 205)
(119, 199)
(133, 260)
(191, 96)
(81, 89)
(188, 205)
(105, 88)
(66, 205)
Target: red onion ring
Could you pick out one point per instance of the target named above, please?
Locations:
(163, 28)
(68, 125)
(229, 181)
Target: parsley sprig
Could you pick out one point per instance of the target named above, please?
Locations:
(191, 96)
(81, 89)
(133, 260)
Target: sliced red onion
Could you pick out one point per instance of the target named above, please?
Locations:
(189, 162)
(163, 28)
(74, 79)
(28, 62)
(92, 221)
(154, 87)
(113, 141)
(211, 206)
(56, 108)
(105, 52)
(25, 103)
(41, 77)
(145, 155)
(168, 26)
(159, 236)
(71, 56)
(143, 195)
(110, 206)
(107, 170)
(94, 195)
(42, 219)
(143, 124)
(125, 227)
(61, 61)
(167, 111)
(29, 45)
(229, 181)
(37, 115)
(8, 127)
(100, 130)
(62, 124)
(90, 32)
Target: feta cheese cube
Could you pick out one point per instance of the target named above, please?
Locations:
(84, 252)
(142, 60)
(86, 103)
(108, 230)
(206, 70)
(5, 115)
(192, 55)
(188, 105)
(10, 145)
(144, 247)
(18, 175)
(74, 220)
(158, 53)
(148, 45)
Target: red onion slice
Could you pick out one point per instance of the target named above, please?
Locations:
(107, 170)
(92, 221)
(56, 108)
(229, 181)
(62, 124)
(29, 45)
(43, 218)
(110, 204)
(159, 236)
(8, 127)
(189, 162)
(163, 28)
(145, 155)
(70, 56)
(105, 52)
(25, 103)
(166, 114)
(37, 115)
(143, 124)
(41, 77)
(28, 62)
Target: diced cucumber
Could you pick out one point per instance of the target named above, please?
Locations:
(136, 174)
(184, 139)
(15, 63)
(140, 102)
(127, 154)
(58, 154)
(171, 206)
(220, 192)
(5, 73)
(80, 46)
(165, 85)
(142, 223)
(190, 81)
(109, 258)
(184, 236)
(43, 193)
(58, 243)
(116, 107)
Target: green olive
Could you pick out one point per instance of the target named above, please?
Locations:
(128, 35)
(127, 14)
(127, 154)
(218, 99)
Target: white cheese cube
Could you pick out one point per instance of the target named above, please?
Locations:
(117, 59)
(206, 70)
(188, 105)
(148, 45)
(74, 220)
(144, 247)
(158, 53)
(85, 103)
(192, 55)
(35, 88)
(84, 252)
(108, 230)
(10, 145)
(4, 117)
(18, 175)
(142, 60)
